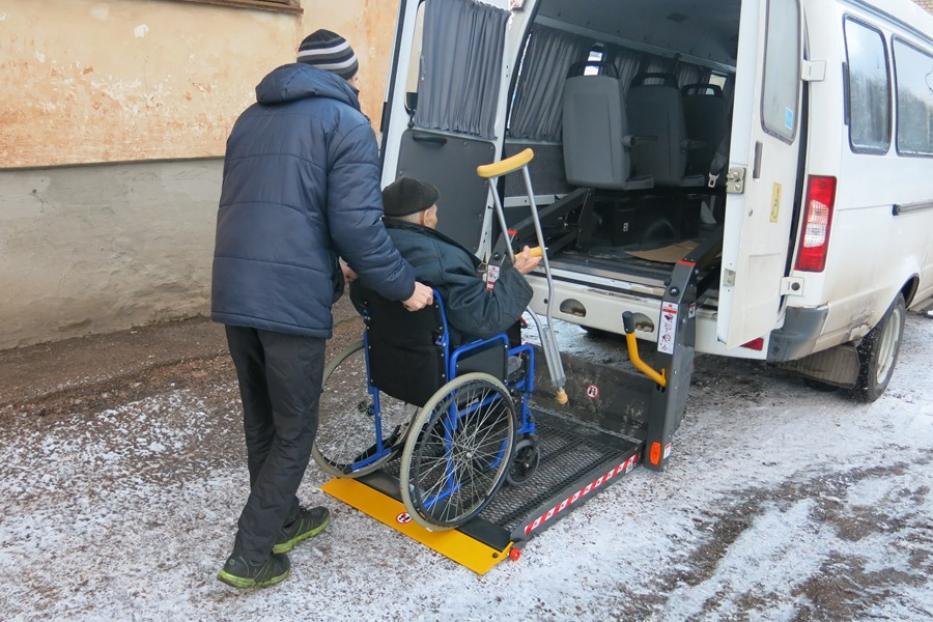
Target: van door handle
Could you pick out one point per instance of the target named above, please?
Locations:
(429, 138)
(756, 170)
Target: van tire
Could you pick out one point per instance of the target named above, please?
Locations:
(878, 353)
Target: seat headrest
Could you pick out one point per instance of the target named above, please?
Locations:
(667, 79)
(606, 69)
(709, 90)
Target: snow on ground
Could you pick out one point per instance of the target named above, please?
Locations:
(781, 503)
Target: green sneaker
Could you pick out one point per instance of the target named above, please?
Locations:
(310, 522)
(244, 574)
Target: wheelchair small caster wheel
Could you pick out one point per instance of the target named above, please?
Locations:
(526, 458)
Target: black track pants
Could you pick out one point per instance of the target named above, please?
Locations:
(280, 385)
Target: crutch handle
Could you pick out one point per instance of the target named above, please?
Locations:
(506, 166)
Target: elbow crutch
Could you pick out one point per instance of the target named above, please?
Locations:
(492, 172)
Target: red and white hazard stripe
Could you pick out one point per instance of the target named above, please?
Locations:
(622, 469)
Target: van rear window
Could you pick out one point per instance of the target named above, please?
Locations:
(782, 70)
(869, 89)
(914, 74)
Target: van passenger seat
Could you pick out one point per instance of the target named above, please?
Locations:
(596, 140)
(705, 113)
(656, 109)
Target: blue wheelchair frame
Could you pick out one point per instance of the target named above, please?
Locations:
(525, 386)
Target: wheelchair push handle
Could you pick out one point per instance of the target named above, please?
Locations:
(506, 166)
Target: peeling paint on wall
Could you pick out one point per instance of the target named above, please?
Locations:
(104, 81)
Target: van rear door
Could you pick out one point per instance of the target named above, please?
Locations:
(765, 149)
(445, 110)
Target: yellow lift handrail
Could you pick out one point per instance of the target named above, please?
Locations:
(659, 378)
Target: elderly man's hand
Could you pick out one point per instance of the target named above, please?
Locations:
(524, 262)
(422, 297)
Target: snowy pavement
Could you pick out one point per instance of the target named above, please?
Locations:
(119, 502)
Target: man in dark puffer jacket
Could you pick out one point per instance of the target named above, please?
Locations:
(300, 188)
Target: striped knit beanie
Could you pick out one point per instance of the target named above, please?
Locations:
(330, 52)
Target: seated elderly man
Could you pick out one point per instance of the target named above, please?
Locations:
(474, 311)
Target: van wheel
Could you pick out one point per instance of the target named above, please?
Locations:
(878, 353)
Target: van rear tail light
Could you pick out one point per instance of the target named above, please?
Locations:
(818, 219)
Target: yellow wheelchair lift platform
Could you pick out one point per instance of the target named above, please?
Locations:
(453, 544)
(577, 461)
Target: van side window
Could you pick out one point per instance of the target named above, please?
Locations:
(782, 70)
(869, 89)
(914, 74)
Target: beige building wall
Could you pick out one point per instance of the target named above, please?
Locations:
(125, 80)
(113, 119)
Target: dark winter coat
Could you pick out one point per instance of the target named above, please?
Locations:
(472, 312)
(300, 187)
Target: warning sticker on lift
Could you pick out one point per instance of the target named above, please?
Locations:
(667, 330)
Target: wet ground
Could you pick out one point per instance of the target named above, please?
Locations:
(122, 473)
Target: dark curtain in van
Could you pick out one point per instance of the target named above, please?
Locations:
(461, 67)
(628, 64)
(537, 113)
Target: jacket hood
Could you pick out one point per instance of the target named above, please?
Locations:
(300, 81)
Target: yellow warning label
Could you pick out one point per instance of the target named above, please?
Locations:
(452, 544)
(775, 202)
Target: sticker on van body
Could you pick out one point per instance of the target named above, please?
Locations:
(667, 328)
(789, 119)
(776, 191)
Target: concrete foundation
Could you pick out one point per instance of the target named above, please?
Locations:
(93, 249)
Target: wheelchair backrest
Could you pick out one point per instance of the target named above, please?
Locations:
(406, 354)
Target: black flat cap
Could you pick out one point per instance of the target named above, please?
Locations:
(407, 196)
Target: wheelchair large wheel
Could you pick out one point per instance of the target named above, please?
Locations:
(351, 441)
(458, 451)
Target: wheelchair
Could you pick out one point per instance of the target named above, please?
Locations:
(457, 416)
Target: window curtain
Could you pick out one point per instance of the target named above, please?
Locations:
(628, 64)
(685, 73)
(537, 112)
(691, 74)
(658, 64)
(461, 63)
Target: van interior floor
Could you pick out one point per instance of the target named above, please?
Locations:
(652, 265)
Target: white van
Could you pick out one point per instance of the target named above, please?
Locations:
(796, 133)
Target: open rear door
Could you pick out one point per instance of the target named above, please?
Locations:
(446, 105)
(763, 170)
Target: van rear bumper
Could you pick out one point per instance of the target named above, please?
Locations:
(597, 307)
(798, 337)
